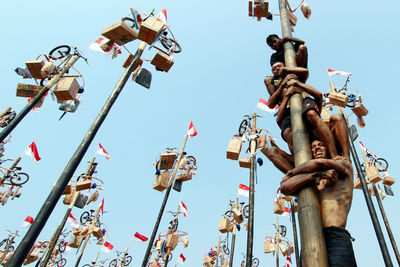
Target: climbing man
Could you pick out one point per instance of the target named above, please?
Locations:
(276, 44)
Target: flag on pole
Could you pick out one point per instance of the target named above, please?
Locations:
(163, 16)
(243, 190)
(102, 206)
(32, 151)
(288, 261)
(112, 53)
(182, 259)
(102, 151)
(338, 72)
(141, 237)
(192, 131)
(286, 212)
(363, 148)
(184, 209)
(72, 221)
(263, 105)
(388, 190)
(383, 195)
(107, 247)
(27, 222)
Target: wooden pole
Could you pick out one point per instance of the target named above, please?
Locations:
(218, 248)
(250, 231)
(233, 239)
(277, 241)
(295, 239)
(309, 212)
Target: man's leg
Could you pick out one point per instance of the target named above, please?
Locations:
(339, 131)
(287, 135)
(302, 56)
(282, 160)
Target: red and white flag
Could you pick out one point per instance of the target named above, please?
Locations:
(27, 222)
(288, 261)
(243, 190)
(263, 105)
(112, 53)
(163, 16)
(338, 72)
(102, 206)
(192, 131)
(107, 247)
(103, 152)
(184, 209)
(286, 212)
(366, 150)
(182, 259)
(72, 221)
(140, 237)
(32, 151)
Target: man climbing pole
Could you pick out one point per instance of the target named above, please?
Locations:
(276, 43)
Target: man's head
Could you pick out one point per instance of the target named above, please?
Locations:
(318, 150)
(277, 69)
(273, 41)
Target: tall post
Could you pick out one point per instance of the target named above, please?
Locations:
(56, 193)
(7, 130)
(250, 232)
(218, 249)
(160, 213)
(277, 241)
(295, 240)
(59, 229)
(233, 239)
(309, 213)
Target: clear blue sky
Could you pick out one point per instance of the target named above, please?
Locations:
(216, 79)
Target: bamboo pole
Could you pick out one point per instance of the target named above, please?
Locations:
(295, 239)
(233, 239)
(277, 241)
(218, 249)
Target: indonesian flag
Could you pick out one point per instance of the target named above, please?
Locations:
(107, 247)
(338, 72)
(363, 148)
(383, 194)
(103, 152)
(32, 151)
(102, 206)
(112, 53)
(141, 237)
(163, 16)
(27, 222)
(192, 131)
(182, 259)
(72, 221)
(243, 190)
(288, 261)
(184, 209)
(263, 105)
(286, 212)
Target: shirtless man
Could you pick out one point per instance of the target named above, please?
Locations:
(335, 193)
(276, 43)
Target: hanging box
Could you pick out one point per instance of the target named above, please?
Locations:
(68, 189)
(234, 147)
(269, 246)
(172, 241)
(162, 61)
(76, 241)
(66, 89)
(290, 250)
(325, 115)
(35, 68)
(238, 216)
(97, 232)
(161, 181)
(283, 249)
(81, 201)
(128, 61)
(261, 141)
(120, 33)
(185, 176)
(257, 10)
(68, 198)
(28, 90)
(224, 224)
(337, 99)
(357, 184)
(279, 206)
(388, 180)
(371, 191)
(150, 29)
(244, 162)
(360, 110)
(166, 161)
(83, 185)
(373, 174)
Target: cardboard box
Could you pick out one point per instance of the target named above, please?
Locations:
(325, 116)
(172, 241)
(360, 110)
(261, 141)
(35, 68)
(234, 148)
(185, 176)
(244, 162)
(388, 180)
(161, 181)
(68, 198)
(279, 206)
(269, 246)
(373, 174)
(256, 10)
(337, 99)
(224, 225)
(66, 89)
(77, 241)
(97, 232)
(120, 32)
(28, 90)
(166, 161)
(357, 184)
(150, 29)
(81, 201)
(128, 61)
(83, 185)
(283, 249)
(237, 216)
(162, 61)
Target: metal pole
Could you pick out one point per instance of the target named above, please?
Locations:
(233, 239)
(250, 231)
(160, 213)
(277, 241)
(7, 130)
(309, 212)
(51, 201)
(59, 229)
(295, 240)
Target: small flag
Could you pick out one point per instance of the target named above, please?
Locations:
(27, 222)
(107, 247)
(72, 221)
(112, 53)
(383, 195)
(32, 151)
(141, 237)
(192, 131)
(182, 258)
(286, 212)
(288, 261)
(263, 105)
(102, 206)
(163, 16)
(243, 190)
(103, 152)
(363, 148)
(184, 209)
(388, 190)
(338, 72)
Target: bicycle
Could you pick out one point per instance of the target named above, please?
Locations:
(125, 260)
(245, 125)
(282, 230)
(88, 216)
(93, 264)
(174, 223)
(15, 178)
(255, 261)
(7, 243)
(244, 209)
(380, 163)
(6, 117)
(224, 245)
(56, 260)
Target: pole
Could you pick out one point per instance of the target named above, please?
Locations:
(309, 212)
(295, 240)
(95, 260)
(7, 130)
(51, 201)
(218, 248)
(250, 232)
(172, 231)
(59, 229)
(277, 241)
(233, 239)
(124, 257)
(160, 213)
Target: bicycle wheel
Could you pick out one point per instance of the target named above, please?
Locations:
(246, 211)
(60, 52)
(165, 259)
(191, 160)
(61, 246)
(255, 262)
(225, 249)
(351, 98)
(382, 164)
(87, 265)
(85, 217)
(11, 248)
(19, 178)
(61, 262)
(113, 263)
(3, 243)
(168, 42)
(229, 213)
(131, 22)
(174, 224)
(128, 260)
(243, 126)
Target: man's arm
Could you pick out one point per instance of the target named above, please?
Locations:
(340, 166)
(292, 39)
(302, 73)
(309, 90)
(270, 86)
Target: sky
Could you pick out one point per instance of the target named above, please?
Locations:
(216, 79)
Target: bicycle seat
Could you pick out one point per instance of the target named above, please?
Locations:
(92, 210)
(18, 168)
(241, 203)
